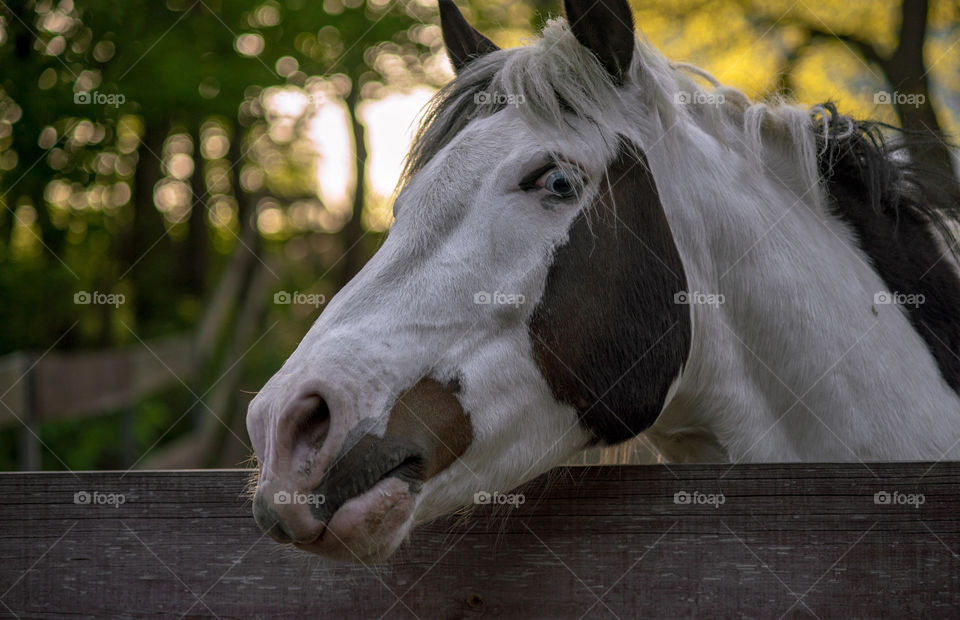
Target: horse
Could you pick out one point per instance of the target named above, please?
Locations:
(592, 242)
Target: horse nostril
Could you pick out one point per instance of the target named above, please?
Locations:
(312, 430)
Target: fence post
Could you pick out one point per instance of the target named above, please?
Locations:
(128, 434)
(29, 451)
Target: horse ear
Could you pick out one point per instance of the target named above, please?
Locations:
(605, 27)
(463, 42)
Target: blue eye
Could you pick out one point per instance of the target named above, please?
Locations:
(556, 182)
(560, 183)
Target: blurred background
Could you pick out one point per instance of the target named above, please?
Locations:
(184, 184)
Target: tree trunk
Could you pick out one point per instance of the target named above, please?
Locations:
(31, 182)
(247, 329)
(145, 245)
(906, 74)
(355, 253)
(245, 202)
(194, 254)
(906, 71)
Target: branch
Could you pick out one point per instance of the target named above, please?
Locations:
(862, 46)
(865, 48)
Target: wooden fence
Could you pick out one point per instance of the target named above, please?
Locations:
(55, 385)
(68, 385)
(768, 541)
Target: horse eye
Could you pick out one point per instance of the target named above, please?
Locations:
(560, 183)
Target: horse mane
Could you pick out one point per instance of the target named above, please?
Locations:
(552, 77)
(555, 76)
(902, 213)
(877, 157)
(448, 112)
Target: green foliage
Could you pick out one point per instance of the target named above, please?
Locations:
(103, 108)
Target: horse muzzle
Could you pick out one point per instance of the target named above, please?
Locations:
(351, 494)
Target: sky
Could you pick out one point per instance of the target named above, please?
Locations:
(390, 123)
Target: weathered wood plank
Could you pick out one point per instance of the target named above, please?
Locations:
(79, 383)
(794, 540)
(74, 384)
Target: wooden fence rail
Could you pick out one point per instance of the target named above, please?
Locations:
(827, 541)
(63, 385)
(74, 384)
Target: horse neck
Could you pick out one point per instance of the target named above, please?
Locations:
(798, 362)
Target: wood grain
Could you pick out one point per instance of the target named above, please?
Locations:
(610, 541)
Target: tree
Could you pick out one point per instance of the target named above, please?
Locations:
(872, 54)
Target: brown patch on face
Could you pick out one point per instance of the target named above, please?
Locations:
(608, 334)
(427, 430)
(430, 415)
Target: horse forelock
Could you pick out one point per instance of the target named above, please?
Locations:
(554, 78)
